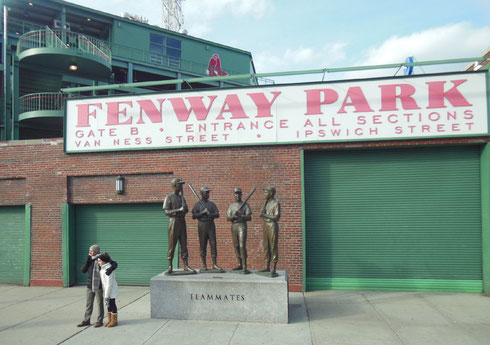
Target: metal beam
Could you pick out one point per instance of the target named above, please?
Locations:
(263, 75)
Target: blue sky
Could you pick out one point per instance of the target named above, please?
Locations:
(285, 35)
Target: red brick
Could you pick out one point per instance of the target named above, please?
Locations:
(41, 174)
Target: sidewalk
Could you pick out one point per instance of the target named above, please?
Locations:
(47, 315)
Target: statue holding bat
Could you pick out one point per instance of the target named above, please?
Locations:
(239, 213)
(206, 211)
(175, 208)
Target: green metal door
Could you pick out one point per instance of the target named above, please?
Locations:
(135, 235)
(12, 238)
(402, 219)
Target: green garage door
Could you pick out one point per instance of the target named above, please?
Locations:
(135, 235)
(403, 219)
(12, 241)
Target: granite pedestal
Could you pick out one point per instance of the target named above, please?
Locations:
(220, 297)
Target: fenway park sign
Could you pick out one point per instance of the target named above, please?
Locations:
(399, 108)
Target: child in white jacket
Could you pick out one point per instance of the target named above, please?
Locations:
(110, 288)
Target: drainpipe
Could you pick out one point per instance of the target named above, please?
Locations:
(14, 95)
(4, 133)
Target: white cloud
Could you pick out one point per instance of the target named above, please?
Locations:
(300, 58)
(115, 7)
(299, 55)
(211, 9)
(452, 41)
(446, 42)
(267, 62)
(200, 14)
(333, 53)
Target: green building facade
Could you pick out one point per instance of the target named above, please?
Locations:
(53, 44)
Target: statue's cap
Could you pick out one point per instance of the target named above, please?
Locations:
(205, 189)
(176, 181)
(237, 190)
(270, 189)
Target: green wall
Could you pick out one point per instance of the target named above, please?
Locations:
(137, 40)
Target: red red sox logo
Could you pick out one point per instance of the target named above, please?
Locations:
(214, 68)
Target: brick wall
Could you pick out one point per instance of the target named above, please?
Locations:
(39, 173)
(47, 178)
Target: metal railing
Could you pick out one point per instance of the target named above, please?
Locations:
(253, 76)
(20, 27)
(42, 101)
(62, 39)
(146, 56)
(52, 40)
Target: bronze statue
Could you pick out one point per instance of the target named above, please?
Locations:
(206, 212)
(239, 213)
(175, 208)
(271, 212)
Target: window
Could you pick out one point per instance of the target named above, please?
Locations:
(165, 51)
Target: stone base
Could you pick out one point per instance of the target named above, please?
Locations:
(220, 297)
(212, 270)
(268, 274)
(240, 272)
(179, 272)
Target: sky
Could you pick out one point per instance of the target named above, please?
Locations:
(286, 35)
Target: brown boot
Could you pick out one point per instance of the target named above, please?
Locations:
(109, 319)
(113, 321)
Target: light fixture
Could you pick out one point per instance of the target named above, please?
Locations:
(120, 185)
(89, 20)
(30, 4)
(73, 67)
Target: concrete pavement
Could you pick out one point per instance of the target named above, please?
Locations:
(48, 315)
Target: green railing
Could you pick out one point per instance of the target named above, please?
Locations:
(256, 76)
(47, 38)
(42, 101)
(62, 39)
(145, 56)
(20, 27)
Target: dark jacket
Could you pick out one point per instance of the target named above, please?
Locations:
(91, 264)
